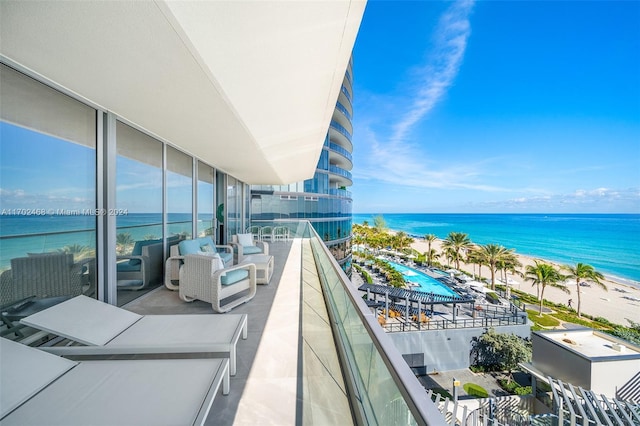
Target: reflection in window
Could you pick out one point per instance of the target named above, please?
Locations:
(206, 201)
(139, 197)
(48, 200)
(179, 194)
(221, 195)
(234, 207)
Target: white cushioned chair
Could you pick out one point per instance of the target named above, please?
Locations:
(204, 246)
(245, 245)
(205, 278)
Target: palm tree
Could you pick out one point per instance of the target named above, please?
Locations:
(449, 254)
(543, 275)
(474, 257)
(379, 224)
(430, 238)
(431, 255)
(494, 255)
(400, 241)
(457, 242)
(583, 272)
(123, 241)
(78, 250)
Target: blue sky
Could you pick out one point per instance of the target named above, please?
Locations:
(497, 106)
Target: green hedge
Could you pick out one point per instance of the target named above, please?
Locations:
(475, 390)
(492, 297)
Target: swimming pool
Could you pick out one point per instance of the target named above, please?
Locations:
(427, 284)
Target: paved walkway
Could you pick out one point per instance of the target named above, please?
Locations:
(445, 379)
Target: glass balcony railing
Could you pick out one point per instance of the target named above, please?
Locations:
(340, 192)
(346, 93)
(340, 171)
(340, 150)
(343, 110)
(347, 74)
(337, 126)
(382, 388)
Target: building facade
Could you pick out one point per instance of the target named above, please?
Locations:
(157, 133)
(324, 200)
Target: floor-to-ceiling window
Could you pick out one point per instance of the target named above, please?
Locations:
(234, 207)
(48, 192)
(179, 193)
(221, 214)
(55, 171)
(206, 200)
(139, 200)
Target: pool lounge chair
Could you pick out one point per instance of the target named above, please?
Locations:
(100, 325)
(39, 388)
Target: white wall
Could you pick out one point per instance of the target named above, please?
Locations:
(446, 350)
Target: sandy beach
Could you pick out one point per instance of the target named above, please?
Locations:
(619, 303)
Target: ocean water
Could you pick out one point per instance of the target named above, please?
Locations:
(22, 234)
(608, 242)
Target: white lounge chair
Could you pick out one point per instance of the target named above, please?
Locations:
(43, 389)
(99, 324)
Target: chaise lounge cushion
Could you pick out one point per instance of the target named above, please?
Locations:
(233, 277)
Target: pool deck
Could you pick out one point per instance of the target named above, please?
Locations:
(478, 312)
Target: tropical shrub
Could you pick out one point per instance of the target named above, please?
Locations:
(500, 351)
(514, 388)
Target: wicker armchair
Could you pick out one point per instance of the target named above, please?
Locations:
(179, 251)
(41, 276)
(204, 278)
(245, 245)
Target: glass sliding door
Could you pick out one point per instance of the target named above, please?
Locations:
(139, 246)
(48, 197)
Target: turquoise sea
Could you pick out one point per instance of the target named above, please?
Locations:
(608, 242)
(22, 234)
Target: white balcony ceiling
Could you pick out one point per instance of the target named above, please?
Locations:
(248, 86)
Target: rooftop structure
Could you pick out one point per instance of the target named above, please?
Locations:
(589, 359)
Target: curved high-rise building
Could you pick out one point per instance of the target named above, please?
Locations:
(323, 200)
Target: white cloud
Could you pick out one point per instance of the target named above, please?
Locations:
(20, 199)
(394, 158)
(452, 32)
(597, 200)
